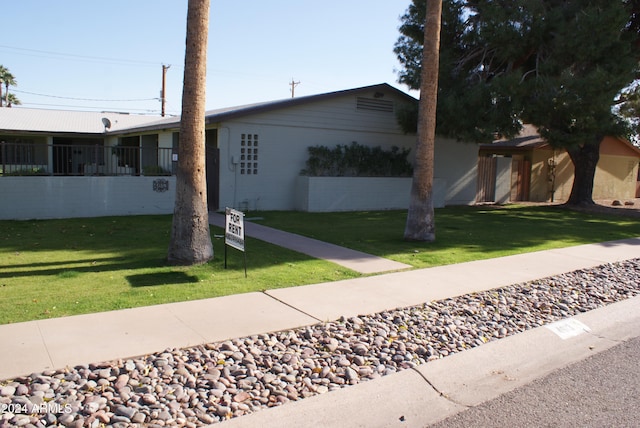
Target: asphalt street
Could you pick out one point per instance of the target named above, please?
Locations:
(600, 391)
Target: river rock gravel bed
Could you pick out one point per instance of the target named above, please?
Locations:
(206, 384)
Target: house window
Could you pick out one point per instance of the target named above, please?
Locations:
(249, 154)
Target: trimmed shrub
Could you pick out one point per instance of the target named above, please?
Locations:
(356, 160)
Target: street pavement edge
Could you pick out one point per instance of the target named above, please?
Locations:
(439, 389)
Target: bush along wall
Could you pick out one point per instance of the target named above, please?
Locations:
(356, 160)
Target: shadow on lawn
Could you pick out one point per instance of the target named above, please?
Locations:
(160, 278)
(67, 269)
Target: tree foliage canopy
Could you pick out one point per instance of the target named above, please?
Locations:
(561, 65)
(7, 79)
(558, 64)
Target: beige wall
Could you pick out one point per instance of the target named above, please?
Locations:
(542, 184)
(615, 177)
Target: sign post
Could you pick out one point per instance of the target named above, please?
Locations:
(234, 234)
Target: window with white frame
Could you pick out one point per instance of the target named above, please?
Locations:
(249, 154)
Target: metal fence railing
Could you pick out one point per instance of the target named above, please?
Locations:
(65, 159)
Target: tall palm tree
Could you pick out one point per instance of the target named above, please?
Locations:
(12, 100)
(9, 80)
(190, 237)
(3, 72)
(420, 224)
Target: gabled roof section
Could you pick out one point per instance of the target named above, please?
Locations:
(59, 121)
(16, 119)
(226, 114)
(528, 139)
(220, 115)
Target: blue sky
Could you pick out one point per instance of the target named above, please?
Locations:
(90, 55)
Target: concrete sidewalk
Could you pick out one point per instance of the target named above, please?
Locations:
(56, 343)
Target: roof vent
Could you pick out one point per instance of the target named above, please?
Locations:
(374, 104)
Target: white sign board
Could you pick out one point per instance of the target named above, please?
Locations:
(234, 229)
(568, 327)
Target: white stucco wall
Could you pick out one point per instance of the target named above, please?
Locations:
(285, 135)
(503, 180)
(328, 194)
(282, 154)
(68, 197)
(457, 164)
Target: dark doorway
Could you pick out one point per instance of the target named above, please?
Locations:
(213, 169)
(522, 167)
(70, 155)
(149, 153)
(128, 154)
(62, 156)
(486, 186)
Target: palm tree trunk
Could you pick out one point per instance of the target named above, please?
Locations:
(190, 237)
(420, 224)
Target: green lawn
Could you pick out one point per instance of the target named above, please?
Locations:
(462, 233)
(52, 268)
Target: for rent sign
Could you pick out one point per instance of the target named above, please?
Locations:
(234, 229)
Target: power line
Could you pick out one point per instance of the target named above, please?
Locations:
(83, 99)
(37, 52)
(94, 108)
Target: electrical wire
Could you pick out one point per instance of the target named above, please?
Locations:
(62, 55)
(82, 58)
(94, 108)
(83, 99)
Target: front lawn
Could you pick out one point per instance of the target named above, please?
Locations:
(53, 268)
(463, 233)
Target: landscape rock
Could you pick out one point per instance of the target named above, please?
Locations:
(202, 385)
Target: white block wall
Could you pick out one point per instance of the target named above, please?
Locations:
(327, 194)
(67, 197)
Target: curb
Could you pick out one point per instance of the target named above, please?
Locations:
(442, 388)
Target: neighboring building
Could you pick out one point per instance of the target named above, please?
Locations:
(92, 164)
(527, 168)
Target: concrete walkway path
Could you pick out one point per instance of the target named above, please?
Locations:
(351, 259)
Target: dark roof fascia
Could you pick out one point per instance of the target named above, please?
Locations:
(164, 126)
(518, 144)
(52, 134)
(214, 117)
(217, 116)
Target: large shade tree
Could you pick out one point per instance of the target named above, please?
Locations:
(557, 64)
(190, 236)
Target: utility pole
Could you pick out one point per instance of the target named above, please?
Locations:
(163, 91)
(293, 87)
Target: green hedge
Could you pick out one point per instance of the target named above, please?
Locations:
(356, 160)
